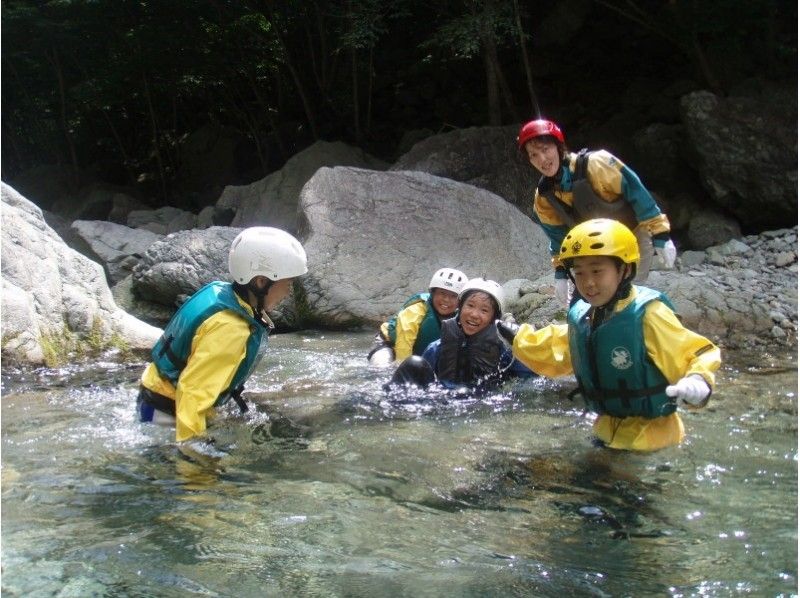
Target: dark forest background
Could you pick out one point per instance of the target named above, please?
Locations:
(108, 90)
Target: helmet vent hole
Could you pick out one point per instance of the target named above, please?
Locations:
(596, 245)
(595, 233)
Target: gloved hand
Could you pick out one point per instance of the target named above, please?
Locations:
(690, 390)
(562, 291)
(507, 330)
(666, 251)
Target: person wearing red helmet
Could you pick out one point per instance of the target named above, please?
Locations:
(576, 187)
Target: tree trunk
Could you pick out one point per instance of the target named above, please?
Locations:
(301, 91)
(492, 86)
(155, 135)
(525, 62)
(55, 61)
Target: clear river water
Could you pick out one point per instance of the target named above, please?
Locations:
(331, 487)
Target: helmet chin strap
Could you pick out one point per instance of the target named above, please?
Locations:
(246, 291)
(261, 296)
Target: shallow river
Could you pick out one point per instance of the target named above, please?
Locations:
(332, 488)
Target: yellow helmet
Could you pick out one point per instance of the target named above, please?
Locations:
(602, 237)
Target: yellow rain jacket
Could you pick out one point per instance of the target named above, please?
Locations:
(611, 180)
(218, 347)
(408, 323)
(673, 349)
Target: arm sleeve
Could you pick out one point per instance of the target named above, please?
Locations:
(544, 351)
(675, 350)
(408, 323)
(545, 216)
(218, 347)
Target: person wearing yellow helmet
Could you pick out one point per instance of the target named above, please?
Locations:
(634, 361)
(575, 187)
(214, 341)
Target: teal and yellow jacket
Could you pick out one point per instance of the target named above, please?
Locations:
(414, 327)
(208, 350)
(585, 182)
(660, 352)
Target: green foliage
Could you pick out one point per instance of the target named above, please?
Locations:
(123, 81)
(461, 32)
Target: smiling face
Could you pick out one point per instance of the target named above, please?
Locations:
(444, 302)
(597, 278)
(543, 155)
(477, 312)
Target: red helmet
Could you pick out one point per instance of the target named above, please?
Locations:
(537, 128)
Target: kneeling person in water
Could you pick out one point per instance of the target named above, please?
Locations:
(634, 361)
(214, 341)
(418, 323)
(469, 353)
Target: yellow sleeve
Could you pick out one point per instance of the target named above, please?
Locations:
(675, 350)
(407, 328)
(545, 351)
(656, 225)
(545, 211)
(218, 347)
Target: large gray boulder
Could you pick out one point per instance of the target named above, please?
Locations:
(375, 238)
(486, 157)
(746, 152)
(53, 298)
(177, 265)
(273, 200)
(118, 247)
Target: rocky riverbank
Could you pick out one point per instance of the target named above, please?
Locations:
(742, 293)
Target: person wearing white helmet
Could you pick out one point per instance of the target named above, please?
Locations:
(470, 353)
(575, 187)
(217, 337)
(417, 324)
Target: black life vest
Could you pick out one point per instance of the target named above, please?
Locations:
(466, 359)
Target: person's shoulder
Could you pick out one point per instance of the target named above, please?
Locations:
(229, 319)
(419, 307)
(604, 159)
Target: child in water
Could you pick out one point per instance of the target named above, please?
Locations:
(419, 321)
(469, 354)
(633, 359)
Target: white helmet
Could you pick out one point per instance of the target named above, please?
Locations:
(266, 251)
(489, 287)
(449, 280)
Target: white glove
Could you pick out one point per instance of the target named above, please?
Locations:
(667, 253)
(562, 291)
(691, 390)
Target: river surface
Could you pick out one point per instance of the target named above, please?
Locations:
(333, 488)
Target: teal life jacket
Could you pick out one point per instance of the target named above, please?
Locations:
(429, 328)
(470, 360)
(171, 351)
(614, 373)
(586, 204)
